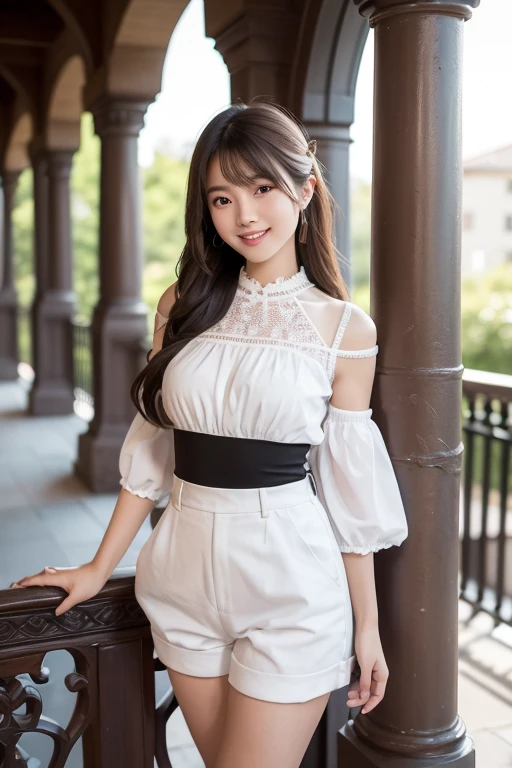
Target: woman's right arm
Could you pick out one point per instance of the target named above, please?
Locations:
(84, 581)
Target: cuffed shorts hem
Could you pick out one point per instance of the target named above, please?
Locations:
(213, 662)
(289, 689)
(266, 686)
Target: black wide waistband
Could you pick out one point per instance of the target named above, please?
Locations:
(237, 462)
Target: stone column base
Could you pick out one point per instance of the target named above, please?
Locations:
(354, 753)
(119, 334)
(97, 464)
(8, 369)
(51, 399)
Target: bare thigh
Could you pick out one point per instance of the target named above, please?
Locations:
(262, 733)
(203, 702)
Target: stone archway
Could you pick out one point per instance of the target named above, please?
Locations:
(65, 106)
(323, 92)
(308, 59)
(16, 156)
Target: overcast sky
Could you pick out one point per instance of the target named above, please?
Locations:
(196, 85)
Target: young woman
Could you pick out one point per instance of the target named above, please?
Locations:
(254, 416)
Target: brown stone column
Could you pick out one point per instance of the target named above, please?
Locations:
(119, 325)
(54, 303)
(415, 300)
(333, 152)
(8, 297)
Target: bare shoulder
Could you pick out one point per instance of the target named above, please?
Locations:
(353, 377)
(167, 299)
(165, 303)
(361, 331)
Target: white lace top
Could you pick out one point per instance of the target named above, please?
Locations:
(265, 371)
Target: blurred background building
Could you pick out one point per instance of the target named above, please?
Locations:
(487, 212)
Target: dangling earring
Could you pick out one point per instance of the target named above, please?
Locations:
(221, 241)
(303, 231)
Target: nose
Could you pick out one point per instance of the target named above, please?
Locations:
(246, 213)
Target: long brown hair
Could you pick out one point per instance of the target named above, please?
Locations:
(260, 138)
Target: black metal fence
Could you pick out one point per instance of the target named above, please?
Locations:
(82, 362)
(24, 336)
(486, 545)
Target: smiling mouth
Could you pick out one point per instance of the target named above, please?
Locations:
(254, 238)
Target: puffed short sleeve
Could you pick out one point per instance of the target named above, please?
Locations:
(146, 462)
(357, 484)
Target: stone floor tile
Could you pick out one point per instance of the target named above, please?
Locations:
(491, 751)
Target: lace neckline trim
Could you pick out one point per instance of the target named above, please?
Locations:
(283, 286)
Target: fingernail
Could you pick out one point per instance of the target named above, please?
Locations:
(14, 585)
(364, 711)
(49, 568)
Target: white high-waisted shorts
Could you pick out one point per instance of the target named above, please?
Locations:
(249, 582)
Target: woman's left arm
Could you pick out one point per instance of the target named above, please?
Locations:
(371, 686)
(352, 388)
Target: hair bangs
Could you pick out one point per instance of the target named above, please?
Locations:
(241, 165)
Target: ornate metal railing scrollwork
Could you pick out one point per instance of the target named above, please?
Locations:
(110, 642)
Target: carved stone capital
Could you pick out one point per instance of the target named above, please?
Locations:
(277, 26)
(59, 163)
(376, 10)
(118, 117)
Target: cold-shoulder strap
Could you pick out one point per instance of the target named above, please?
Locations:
(337, 352)
(161, 318)
(370, 352)
(341, 327)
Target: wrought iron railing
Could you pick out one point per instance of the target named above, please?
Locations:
(82, 362)
(486, 546)
(109, 640)
(24, 335)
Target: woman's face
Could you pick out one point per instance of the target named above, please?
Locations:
(258, 221)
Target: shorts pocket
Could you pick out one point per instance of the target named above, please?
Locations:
(311, 528)
(156, 558)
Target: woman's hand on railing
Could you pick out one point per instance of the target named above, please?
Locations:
(81, 582)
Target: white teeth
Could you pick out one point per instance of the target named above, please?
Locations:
(253, 237)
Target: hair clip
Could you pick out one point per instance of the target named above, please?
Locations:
(311, 148)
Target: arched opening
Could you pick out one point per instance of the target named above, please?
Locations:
(66, 106)
(17, 160)
(16, 156)
(140, 46)
(327, 103)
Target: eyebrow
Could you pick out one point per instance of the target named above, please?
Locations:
(217, 189)
(226, 189)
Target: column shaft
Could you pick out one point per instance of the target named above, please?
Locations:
(119, 325)
(8, 296)
(333, 152)
(415, 298)
(54, 303)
